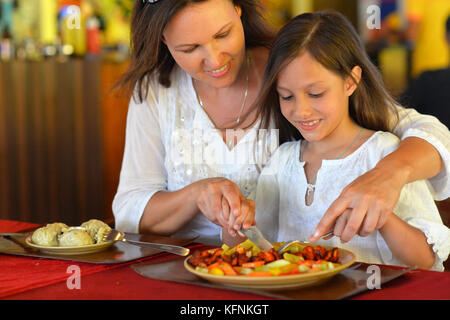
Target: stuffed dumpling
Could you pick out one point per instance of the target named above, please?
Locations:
(96, 229)
(75, 237)
(48, 235)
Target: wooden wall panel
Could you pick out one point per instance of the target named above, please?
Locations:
(48, 71)
(21, 121)
(93, 123)
(10, 185)
(114, 112)
(51, 143)
(4, 172)
(37, 140)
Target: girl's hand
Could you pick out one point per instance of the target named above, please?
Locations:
(364, 205)
(222, 202)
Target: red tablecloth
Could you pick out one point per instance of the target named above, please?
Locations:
(30, 278)
(19, 274)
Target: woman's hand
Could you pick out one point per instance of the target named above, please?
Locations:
(232, 234)
(364, 205)
(245, 220)
(222, 202)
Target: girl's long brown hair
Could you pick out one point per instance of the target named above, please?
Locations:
(151, 57)
(331, 39)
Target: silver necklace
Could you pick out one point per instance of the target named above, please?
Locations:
(238, 120)
(311, 187)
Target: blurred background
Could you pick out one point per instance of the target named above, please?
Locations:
(62, 131)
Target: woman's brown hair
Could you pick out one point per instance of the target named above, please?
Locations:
(331, 39)
(151, 57)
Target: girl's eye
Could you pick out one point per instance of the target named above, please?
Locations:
(189, 50)
(318, 95)
(286, 98)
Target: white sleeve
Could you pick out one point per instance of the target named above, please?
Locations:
(143, 172)
(414, 124)
(416, 207)
(267, 201)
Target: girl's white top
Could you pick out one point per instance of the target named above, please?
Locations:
(282, 215)
(171, 143)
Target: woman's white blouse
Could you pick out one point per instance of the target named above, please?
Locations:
(281, 212)
(171, 143)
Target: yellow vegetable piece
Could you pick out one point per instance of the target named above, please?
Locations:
(229, 252)
(243, 270)
(277, 264)
(247, 244)
(199, 269)
(216, 271)
(288, 268)
(294, 248)
(275, 271)
(255, 250)
(292, 257)
(264, 268)
(225, 248)
(303, 268)
(326, 265)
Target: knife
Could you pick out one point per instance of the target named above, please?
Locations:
(255, 236)
(12, 234)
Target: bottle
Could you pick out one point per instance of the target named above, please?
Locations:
(6, 44)
(93, 36)
(6, 47)
(48, 26)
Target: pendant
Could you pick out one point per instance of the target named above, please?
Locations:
(309, 197)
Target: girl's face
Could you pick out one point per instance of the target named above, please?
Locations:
(207, 40)
(314, 99)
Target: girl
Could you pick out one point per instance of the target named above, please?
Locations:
(197, 67)
(320, 83)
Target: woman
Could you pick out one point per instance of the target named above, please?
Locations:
(195, 71)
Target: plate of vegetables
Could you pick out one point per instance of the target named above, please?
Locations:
(247, 266)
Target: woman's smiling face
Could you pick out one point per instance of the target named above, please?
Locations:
(206, 39)
(312, 98)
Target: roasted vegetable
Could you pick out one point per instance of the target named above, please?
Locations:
(246, 259)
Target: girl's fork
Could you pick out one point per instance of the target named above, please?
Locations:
(288, 243)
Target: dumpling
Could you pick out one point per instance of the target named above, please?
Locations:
(48, 235)
(75, 237)
(58, 226)
(96, 229)
(45, 237)
(100, 233)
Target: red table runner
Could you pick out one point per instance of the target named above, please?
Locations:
(18, 274)
(15, 226)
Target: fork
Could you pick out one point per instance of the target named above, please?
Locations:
(115, 235)
(288, 243)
